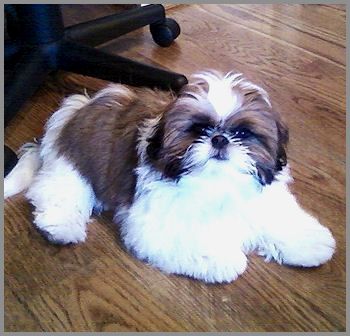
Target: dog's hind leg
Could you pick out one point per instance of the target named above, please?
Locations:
(63, 202)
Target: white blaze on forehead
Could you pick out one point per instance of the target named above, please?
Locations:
(224, 100)
(222, 94)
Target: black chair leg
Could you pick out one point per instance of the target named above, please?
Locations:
(12, 28)
(104, 29)
(96, 63)
(12, 49)
(27, 76)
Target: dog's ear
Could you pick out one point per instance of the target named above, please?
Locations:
(266, 170)
(170, 166)
(155, 142)
(283, 137)
(265, 173)
(174, 169)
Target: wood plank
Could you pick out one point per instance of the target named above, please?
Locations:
(320, 33)
(16, 314)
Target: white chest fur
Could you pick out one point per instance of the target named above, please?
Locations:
(203, 214)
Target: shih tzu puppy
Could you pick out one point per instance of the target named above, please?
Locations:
(196, 181)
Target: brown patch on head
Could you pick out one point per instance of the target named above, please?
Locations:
(176, 133)
(268, 134)
(173, 136)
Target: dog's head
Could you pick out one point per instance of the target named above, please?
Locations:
(219, 117)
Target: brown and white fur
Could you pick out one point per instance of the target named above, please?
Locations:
(196, 181)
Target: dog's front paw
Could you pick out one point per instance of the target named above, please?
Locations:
(59, 229)
(217, 269)
(63, 236)
(309, 246)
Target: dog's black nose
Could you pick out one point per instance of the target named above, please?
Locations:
(219, 141)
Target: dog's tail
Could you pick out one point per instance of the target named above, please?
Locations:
(22, 175)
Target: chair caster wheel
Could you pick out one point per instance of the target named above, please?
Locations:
(165, 32)
(10, 160)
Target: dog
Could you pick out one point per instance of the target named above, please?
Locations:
(196, 181)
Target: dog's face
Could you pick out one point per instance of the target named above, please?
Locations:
(218, 117)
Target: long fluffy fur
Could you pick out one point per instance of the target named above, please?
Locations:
(184, 205)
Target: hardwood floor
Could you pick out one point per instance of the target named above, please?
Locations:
(297, 53)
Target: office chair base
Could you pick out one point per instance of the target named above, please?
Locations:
(39, 44)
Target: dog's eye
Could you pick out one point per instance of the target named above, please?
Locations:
(200, 129)
(242, 133)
